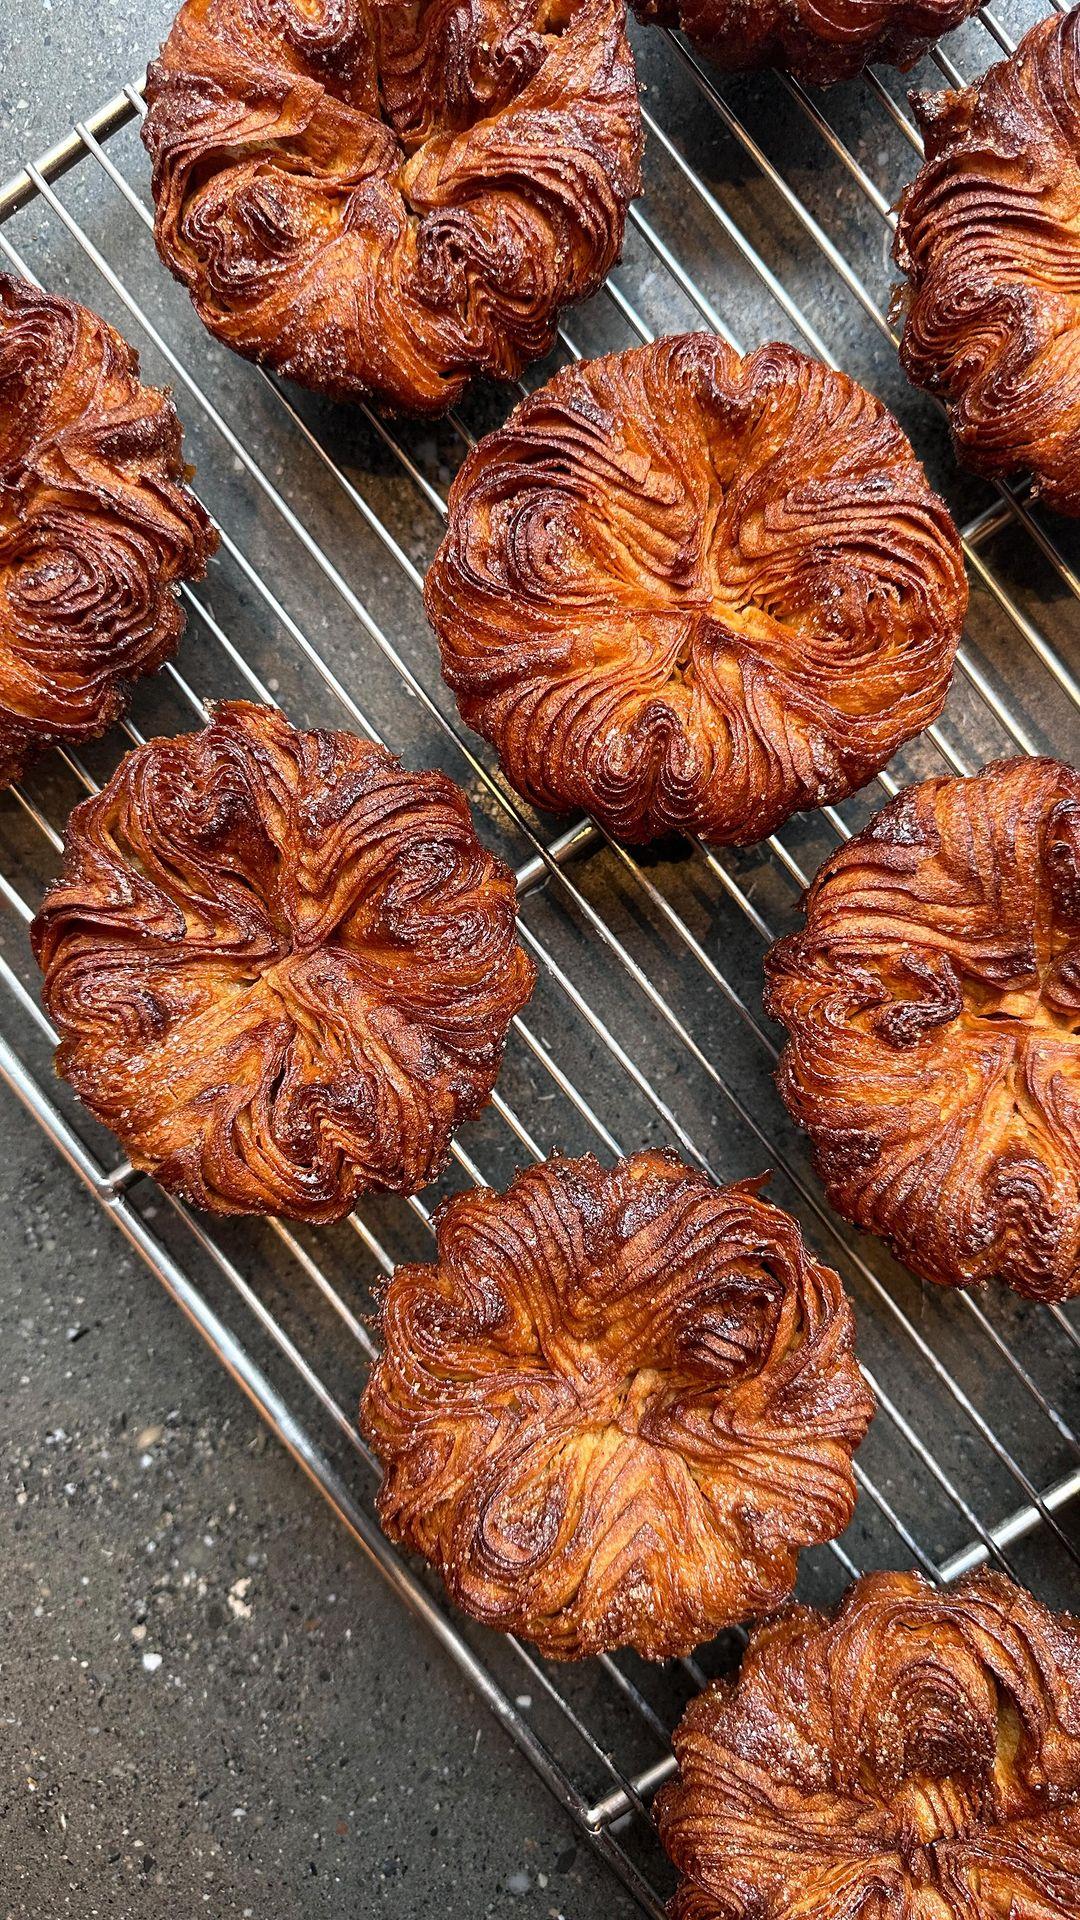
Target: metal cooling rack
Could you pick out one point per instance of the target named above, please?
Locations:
(767, 213)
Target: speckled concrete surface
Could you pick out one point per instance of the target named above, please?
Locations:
(61, 58)
(207, 1702)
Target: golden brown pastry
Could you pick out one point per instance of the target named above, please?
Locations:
(915, 1756)
(989, 238)
(692, 592)
(932, 1004)
(820, 41)
(96, 525)
(617, 1405)
(384, 199)
(282, 967)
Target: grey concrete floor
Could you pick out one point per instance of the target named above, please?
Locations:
(208, 1704)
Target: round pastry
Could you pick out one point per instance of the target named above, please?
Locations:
(379, 199)
(96, 525)
(692, 592)
(282, 967)
(932, 1004)
(820, 41)
(989, 238)
(915, 1756)
(617, 1405)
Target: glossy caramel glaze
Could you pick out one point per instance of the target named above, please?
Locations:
(616, 1406)
(96, 525)
(989, 238)
(932, 1004)
(820, 41)
(692, 592)
(383, 199)
(282, 967)
(915, 1756)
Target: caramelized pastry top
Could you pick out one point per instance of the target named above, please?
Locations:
(692, 592)
(616, 1406)
(387, 199)
(989, 238)
(96, 525)
(282, 967)
(933, 1010)
(915, 1755)
(820, 41)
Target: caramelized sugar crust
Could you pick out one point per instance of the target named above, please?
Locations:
(915, 1756)
(989, 238)
(282, 967)
(384, 199)
(96, 525)
(932, 1004)
(693, 592)
(820, 41)
(616, 1406)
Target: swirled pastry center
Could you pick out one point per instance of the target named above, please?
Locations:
(283, 968)
(387, 198)
(972, 1006)
(685, 557)
(916, 1755)
(933, 1008)
(617, 1405)
(952, 1776)
(694, 592)
(1039, 1003)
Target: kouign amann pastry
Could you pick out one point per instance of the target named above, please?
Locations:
(688, 591)
(820, 41)
(932, 1004)
(385, 200)
(282, 967)
(989, 238)
(915, 1756)
(97, 527)
(616, 1405)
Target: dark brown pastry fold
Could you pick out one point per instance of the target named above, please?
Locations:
(616, 1406)
(282, 967)
(915, 1756)
(989, 238)
(820, 41)
(96, 525)
(932, 1004)
(384, 199)
(692, 592)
